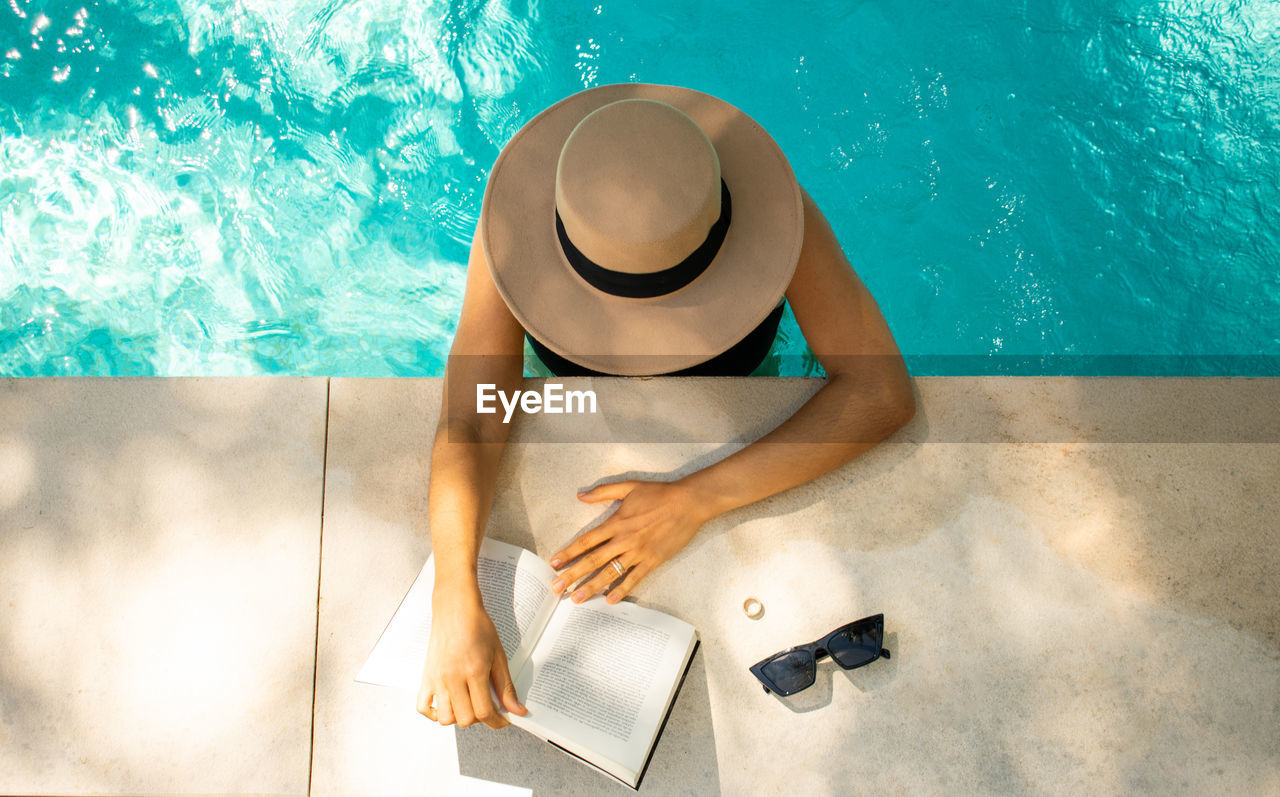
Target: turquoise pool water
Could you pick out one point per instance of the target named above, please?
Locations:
(267, 186)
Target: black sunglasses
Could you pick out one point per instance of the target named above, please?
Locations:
(854, 645)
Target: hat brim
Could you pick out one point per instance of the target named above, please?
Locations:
(665, 333)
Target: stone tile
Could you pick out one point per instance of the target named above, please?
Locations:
(1076, 575)
(158, 561)
(370, 740)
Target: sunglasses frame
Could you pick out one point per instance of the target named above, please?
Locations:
(819, 650)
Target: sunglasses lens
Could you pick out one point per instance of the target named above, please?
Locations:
(790, 672)
(856, 645)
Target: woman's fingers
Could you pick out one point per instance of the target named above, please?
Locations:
(654, 521)
(444, 709)
(463, 654)
(426, 698)
(598, 583)
(482, 704)
(581, 545)
(459, 703)
(609, 575)
(629, 583)
(614, 491)
(586, 565)
(500, 676)
(585, 542)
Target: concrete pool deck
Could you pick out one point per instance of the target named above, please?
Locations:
(1079, 576)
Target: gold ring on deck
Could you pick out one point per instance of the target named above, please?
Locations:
(753, 608)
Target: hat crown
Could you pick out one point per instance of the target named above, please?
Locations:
(637, 186)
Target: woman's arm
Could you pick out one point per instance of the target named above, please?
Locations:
(465, 655)
(866, 398)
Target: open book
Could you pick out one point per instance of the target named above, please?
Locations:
(598, 678)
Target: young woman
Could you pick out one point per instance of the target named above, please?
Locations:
(640, 229)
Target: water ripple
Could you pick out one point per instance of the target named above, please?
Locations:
(240, 186)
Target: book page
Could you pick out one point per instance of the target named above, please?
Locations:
(601, 676)
(516, 587)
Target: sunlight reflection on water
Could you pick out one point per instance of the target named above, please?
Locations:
(254, 186)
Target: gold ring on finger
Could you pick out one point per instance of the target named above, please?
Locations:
(617, 566)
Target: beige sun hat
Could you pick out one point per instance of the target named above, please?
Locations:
(641, 229)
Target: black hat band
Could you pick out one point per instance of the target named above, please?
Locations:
(656, 283)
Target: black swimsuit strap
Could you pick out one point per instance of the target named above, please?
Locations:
(740, 359)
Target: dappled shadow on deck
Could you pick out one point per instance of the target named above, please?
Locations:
(158, 553)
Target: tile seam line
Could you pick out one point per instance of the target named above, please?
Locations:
(315, 656)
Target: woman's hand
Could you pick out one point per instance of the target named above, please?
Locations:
(464, 657)
(655, 520)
